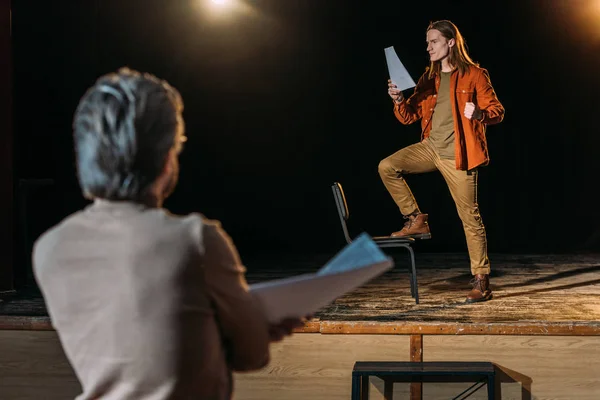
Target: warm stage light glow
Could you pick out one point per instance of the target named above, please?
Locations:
(222, 4)
(588, 18)
(223, 10)
(576, 21)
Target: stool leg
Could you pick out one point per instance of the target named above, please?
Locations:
(355, 387)
(388, 389)
(364, 387)
(492, 387)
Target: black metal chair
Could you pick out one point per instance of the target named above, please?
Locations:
(381, 241)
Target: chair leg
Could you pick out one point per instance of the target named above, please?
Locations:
(410, 276)
(412, 286)
(414, 275)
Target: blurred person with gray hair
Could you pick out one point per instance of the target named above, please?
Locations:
(147, 304)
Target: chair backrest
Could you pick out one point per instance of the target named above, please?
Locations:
(342, 208)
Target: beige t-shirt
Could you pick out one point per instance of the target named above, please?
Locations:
(442, 122)
(149, 305)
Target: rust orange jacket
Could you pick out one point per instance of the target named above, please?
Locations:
(471, 148)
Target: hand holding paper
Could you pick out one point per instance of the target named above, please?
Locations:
(394, 92)
(399, 76)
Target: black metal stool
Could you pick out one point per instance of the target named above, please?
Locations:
(481, 373)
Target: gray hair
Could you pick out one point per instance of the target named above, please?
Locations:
(124, 127)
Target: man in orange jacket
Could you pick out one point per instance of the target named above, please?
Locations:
(455, 101)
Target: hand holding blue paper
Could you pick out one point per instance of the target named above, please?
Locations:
(398, 74)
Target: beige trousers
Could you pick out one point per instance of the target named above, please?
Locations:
(421, 157)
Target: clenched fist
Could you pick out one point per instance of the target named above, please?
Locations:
(472, 111)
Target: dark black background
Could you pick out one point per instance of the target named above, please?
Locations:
(284, 97)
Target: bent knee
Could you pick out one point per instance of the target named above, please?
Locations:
(386, 168)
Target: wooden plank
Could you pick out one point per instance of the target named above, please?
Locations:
(9, 323)
(416, 348)
(319, 367)
(416, 355)
(7, 273)
(312, 326)
(384, 328)
(541, 328)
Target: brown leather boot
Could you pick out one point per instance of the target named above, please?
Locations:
(481, 289)
(416, 227)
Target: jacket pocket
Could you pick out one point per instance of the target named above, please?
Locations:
(465, 94)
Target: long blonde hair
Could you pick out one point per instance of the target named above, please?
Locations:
(459, 56)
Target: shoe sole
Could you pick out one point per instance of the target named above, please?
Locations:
(416, 236)
(420, 236)
(486, 298)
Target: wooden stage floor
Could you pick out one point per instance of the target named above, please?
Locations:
(533, 295)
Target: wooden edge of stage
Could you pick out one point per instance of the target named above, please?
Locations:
(542, 328)
(532, 328)
(9, 323)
